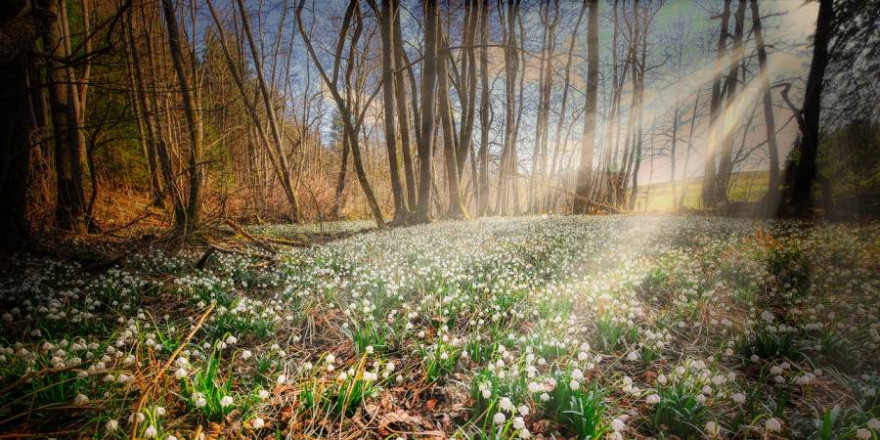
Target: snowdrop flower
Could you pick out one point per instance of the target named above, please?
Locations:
(738, 397)
(661, 379)
(499, 418)
(574, 385)
(81, 399)
(618, 425)
(523, 410)
(519, 423)
(150, 432)
(160, 411)
(281, 379)
(773, 425)
(226, 401)
(111, 425)
(200, 401)
(171, 437)
(653, 399)
(863, 433)
(263, 394)
(258, 423)
(712, 429)
(874, 424)
(545, 397)
(369, 349)
(246, 354)
(505, 404)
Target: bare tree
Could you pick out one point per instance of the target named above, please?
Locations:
(588, 141)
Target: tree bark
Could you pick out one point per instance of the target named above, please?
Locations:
(193, 120)
(389, 14)
(426, 133)
(805, 164)
(772, 197)
(709, 171)
(725, 165)
(588, 141)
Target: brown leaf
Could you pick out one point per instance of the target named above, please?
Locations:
(431, 404)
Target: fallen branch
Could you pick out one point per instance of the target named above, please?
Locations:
(164, 368)
(266, 246)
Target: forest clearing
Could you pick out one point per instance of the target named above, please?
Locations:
(559, 327)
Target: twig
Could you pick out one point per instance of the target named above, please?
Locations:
(46, 371)
(161, 372)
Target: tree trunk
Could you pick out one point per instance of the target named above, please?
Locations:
(422, 213)
(15, 122)
(580, 204)
(389, 14)
(274, 126)
(193, 120)
(709, 170)
(456, 208)
(483, 155)
(402, 114)
(772, 197)
(64, 107)
(725, 166)
(805, 166)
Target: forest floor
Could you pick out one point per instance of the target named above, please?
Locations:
(534, 327)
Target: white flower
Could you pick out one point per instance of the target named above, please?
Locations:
(874, 424)
(519, 423)
(486, 392)
(863, 433)
(525, 434)
(738, 397)
(263, 394)
(523, 410)
(150, 432)
(577, 374)
(545, 397)
(258, 423)
(160, 411)
(180, 373)
(499, 418)
(171, 437)
(661, 379)
(712, 429)
(226, 401)
(199, 400)
(246, 354)
(112, 425)
(281, 379)
(80, 399)
(505, 404)
(231, 340)
(773, 425)
(574, 385)
(370, 349)
(653, 399)
(618, 425)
